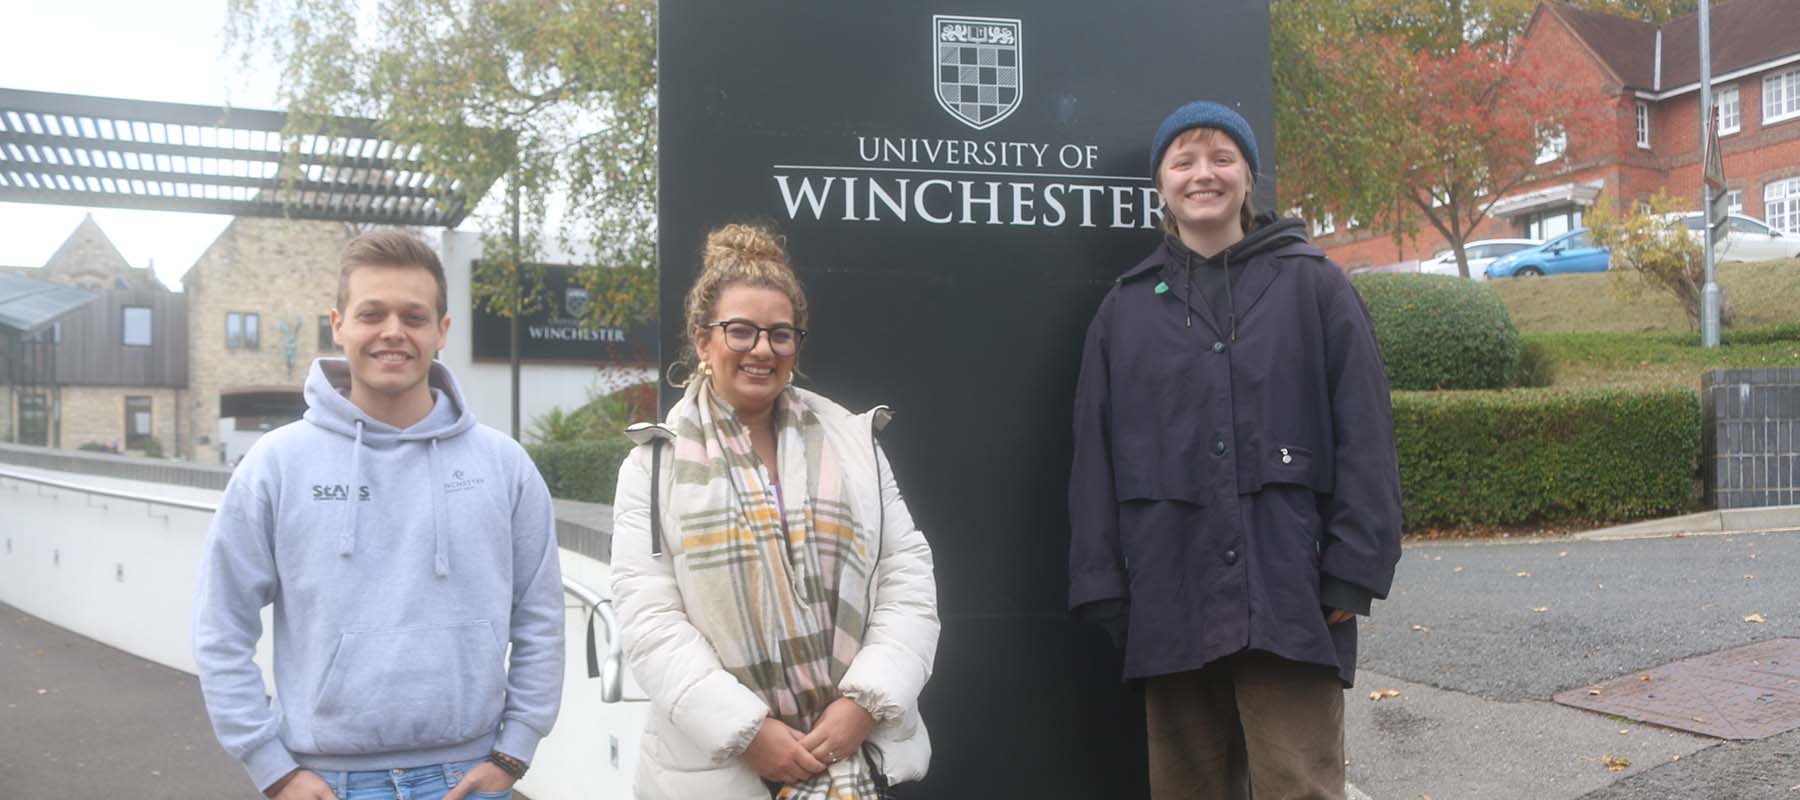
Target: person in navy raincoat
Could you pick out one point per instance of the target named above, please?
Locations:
(1234, 498)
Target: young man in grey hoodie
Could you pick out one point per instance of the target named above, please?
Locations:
(404, 548)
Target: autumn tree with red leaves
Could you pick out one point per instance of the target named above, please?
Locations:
(1397, 114)
(1477, 125)
(1433, 137)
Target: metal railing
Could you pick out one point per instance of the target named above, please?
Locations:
(610, 671)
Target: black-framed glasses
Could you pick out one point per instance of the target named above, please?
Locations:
(741, 336)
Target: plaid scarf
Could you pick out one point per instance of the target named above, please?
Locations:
(777, 581)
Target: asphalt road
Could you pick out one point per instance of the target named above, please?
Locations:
(1477, 637)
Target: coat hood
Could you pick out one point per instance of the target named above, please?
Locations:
(1268, 234)
(328, 407)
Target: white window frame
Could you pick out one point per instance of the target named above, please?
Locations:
(137, 329)
(1643, 125)
(1325, 226)
(1781, 96)
(1781, 205)
(1730, 114)
(1734, 201)
(1553, 148)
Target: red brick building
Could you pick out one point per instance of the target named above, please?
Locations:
(1649, 76)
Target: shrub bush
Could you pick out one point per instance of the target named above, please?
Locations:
(601, 417)
(579, 452)
(1546, 456)
(1537, 364)
(1440, 332)
(582, 470)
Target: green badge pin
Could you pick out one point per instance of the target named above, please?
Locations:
(1162, 287)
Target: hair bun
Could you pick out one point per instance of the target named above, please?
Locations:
(740, 242)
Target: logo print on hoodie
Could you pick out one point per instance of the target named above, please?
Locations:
(337, 492)
(461, 483)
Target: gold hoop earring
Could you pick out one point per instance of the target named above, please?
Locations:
(706, 369)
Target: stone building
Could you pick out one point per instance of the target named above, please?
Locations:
(259, 302)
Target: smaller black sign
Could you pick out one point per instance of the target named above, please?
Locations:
(557, 332)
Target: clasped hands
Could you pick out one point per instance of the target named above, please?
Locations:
(784, 755)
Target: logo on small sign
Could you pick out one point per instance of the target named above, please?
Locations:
(978, 68)
(575, 301)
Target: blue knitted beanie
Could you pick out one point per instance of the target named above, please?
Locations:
(1204, 114)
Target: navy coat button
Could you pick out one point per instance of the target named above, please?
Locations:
(1218, 347)
(1231, 556)
(1219, 446)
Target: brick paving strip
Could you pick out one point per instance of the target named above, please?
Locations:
(1745, 693)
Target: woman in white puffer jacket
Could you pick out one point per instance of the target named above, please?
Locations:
(776, 602)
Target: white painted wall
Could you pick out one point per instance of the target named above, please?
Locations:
(63, 553)
(488, 385)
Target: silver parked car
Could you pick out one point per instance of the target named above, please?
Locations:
(1481, 253)
(1746, 239)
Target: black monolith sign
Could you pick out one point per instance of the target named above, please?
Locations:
(959, 184)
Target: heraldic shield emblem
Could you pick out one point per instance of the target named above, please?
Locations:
(978, 78)
(575, 301)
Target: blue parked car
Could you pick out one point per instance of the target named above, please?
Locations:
(1570, 252)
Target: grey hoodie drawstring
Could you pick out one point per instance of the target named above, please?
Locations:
(439, 522)
(353, 498)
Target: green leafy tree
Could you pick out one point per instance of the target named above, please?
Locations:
(1653, 250)
(560, 97)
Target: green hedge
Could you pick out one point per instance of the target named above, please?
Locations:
(585, 470)
(1440, 332)
(1539, 456)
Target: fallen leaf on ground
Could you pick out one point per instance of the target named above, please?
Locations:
(1420, 628)
(43, 691)
(1383, 694)
(1749, 577)
(1593, 692)
(1644, 677)
(1616, 763)
(1757, 618)
(1458, 569)
(1563, 554)
(1524, 574)
(1541, 609)
(1624, 731)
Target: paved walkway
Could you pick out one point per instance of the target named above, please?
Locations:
(82, 721)
(1477, 637)
(79, 719)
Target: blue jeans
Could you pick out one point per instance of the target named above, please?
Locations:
(413, 783)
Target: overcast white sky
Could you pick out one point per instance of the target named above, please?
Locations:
(168, 50)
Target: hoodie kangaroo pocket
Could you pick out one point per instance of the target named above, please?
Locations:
(410, 688)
